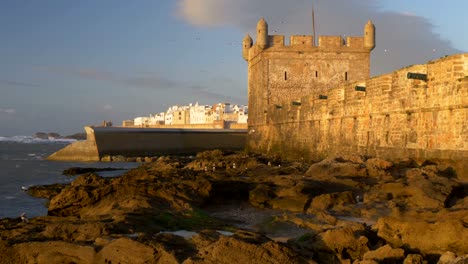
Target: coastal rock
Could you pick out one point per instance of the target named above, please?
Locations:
(378, 168)
(414, 259)
(295, 203)
(333, 201)
(75, 231)
(9, 254)
(386, 254)
(261, 195)
(432, 234)
(336, 245)
(422, 188)
(319, 217)
(80, 170)
(447, 258)
(337, 167)
(461, 260)
(246, 247)
(46, 191)
(125, 250)
(53, 252)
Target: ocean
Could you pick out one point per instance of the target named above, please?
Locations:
(23, 164)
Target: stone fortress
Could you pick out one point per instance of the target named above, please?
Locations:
(310, 101)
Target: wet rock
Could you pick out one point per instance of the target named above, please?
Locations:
(53, 252)
(75, 231)
(331, 168)
(46, 191)
(367, 261)
(414, 259)
(79, 170)
(325, 217)
(332, 201)
(131, 159)
(9, 254)
(461, 260)
(246, 247)
(420, 188)
(447, 258)
(118, 158)
(296, 203)
(83, 192)
(421, 207)
(261, 195)
(106, 158)
(125, 250)
(429, 235)
(378, 168)
(386, 254)
(339, 245)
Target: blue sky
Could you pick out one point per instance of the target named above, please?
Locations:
(67, 64)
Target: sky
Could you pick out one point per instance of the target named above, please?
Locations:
(68, 64)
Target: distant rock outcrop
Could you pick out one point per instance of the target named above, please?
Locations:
(53, 135)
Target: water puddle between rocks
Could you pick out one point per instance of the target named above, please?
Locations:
(357, 220)
(242, 215)
(189, 234)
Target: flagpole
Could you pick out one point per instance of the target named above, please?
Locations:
(313, 22)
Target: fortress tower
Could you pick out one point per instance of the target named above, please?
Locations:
(279, 72)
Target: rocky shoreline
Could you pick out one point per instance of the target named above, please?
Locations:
(244, 208)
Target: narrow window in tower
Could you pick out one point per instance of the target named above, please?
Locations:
(316, 74)
(346, 76)
(285, 75)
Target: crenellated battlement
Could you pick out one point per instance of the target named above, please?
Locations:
(324, 42)
(306, 43)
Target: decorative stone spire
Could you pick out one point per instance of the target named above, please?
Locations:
(246, 45)
(262, 33)
(369, 35)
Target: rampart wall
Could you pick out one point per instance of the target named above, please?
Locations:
(389, 116)
(148, 142)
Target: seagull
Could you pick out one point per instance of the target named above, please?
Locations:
(358, 198)
(24, 188)
(24, 218)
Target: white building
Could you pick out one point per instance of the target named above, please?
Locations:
(157, 119)
(142, 121)
(243, 114)
(194, 114)
(200, 114)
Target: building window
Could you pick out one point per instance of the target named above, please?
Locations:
(285, 75)
(346, 76)
(316, 74)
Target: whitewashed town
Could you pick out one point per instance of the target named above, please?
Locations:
(220, 115)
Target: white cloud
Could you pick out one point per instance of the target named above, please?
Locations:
(409, 38)
(9, 111)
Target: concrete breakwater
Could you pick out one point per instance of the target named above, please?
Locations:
(141, 142)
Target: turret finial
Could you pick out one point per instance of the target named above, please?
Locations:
(262, 33)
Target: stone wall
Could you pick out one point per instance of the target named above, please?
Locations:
(395, 117)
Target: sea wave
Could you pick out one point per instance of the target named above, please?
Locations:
(29, 139)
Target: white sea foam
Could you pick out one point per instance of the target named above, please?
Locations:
(29, 139)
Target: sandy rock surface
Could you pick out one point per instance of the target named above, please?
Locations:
(243, 208)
